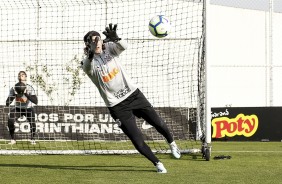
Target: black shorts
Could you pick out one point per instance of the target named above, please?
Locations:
(136, 104)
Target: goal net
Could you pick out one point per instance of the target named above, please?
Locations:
(45, 39)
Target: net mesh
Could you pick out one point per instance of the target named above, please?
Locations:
(44, 38)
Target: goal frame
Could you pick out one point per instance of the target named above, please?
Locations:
(205, 141)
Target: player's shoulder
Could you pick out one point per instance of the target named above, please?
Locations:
(29, 86)
(11, 90)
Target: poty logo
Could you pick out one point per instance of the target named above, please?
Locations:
(241, 125)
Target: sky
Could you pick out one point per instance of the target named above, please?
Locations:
(262, 5)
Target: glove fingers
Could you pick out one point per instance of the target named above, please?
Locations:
(107, 29)
(111, 26)
(115, 27)
(105, 33)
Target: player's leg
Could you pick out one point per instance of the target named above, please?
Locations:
(30, 115)
(127, 122)
(130, 128)
(151, 116)
(144, 109)
(13, 115)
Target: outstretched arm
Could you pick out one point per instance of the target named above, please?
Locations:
(117, 48)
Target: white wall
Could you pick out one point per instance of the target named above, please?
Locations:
(239, 57)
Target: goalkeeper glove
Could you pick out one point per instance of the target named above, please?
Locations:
(111, 34)
(91, 46)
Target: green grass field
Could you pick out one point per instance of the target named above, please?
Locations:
(251, 162)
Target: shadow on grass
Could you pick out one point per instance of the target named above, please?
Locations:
(83, 168)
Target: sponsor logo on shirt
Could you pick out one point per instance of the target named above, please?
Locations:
(122, 92)
(109, 76)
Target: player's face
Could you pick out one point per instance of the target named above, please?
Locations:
(22, 77)
(98, 49)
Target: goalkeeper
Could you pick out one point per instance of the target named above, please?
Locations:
(24, 96)
(123, 99)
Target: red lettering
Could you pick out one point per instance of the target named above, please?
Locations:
(241, 125)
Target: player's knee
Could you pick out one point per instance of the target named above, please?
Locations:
(161, 124)
(140, 145)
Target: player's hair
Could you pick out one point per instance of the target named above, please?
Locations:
(90, 34)
(88, 37)
(19, 75)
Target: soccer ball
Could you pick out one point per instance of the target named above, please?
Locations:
(159, 26)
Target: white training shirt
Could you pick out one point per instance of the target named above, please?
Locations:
(23, 102)
(107, 74)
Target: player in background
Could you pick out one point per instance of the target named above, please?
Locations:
(123, 99)
(24, 96)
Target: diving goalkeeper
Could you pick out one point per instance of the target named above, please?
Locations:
(123, 99)
(24, 96)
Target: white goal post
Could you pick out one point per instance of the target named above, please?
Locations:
(45, 39)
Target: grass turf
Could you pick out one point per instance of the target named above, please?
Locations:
(251, 162)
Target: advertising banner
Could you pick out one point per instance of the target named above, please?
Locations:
(91, 123)
(247, 123)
